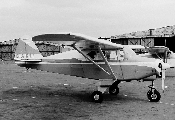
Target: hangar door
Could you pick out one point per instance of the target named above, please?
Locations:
(133, 41)
(147, 42)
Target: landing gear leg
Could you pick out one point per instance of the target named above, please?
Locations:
(153, 95)
(97, 96)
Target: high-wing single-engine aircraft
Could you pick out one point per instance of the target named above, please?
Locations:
(94, 59)
(159, 52)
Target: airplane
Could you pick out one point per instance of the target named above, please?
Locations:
(93, 58)
(158, 52)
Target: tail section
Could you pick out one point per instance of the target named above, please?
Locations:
(129, 54)
(27, 51)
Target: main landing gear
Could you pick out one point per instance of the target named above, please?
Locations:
(97, 96)
(153, 95)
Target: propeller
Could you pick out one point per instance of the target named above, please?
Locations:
(163, 67)
(163, 80)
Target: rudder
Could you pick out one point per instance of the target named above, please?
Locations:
(27, 50)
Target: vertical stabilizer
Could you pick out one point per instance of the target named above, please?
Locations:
(129, 54)
(27, 50)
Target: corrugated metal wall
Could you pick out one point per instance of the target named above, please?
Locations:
(8, 48)
(7, 51)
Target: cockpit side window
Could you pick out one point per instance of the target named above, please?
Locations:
(92, 54)
(116, 55)
(110, 55)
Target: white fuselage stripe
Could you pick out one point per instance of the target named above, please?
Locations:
(148, 64)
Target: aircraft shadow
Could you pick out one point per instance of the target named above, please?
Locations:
(77, 95)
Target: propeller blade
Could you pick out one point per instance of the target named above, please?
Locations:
(163, 79)
(163, 69)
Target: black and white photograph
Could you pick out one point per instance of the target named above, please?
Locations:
(87, 60)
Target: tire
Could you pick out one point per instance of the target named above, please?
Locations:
(113, 90)
(97, 97)
(153, 96)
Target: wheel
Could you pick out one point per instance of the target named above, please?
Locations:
(97, 96)
(113, 90)
(153, 96)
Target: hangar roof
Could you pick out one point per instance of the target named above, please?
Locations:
(168, 31)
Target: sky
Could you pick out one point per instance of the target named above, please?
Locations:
(96, 18)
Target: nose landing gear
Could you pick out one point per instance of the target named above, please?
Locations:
(153, 95)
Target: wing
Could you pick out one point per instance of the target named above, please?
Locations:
(81, 41)
(160, 52)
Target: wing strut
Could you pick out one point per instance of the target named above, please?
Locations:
(90, 59)
(105, 60)
(109, 67)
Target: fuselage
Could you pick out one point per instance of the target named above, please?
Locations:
(74, 64)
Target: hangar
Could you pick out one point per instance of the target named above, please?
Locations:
(153, 37)
(8, 48)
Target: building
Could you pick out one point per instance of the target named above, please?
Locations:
(153, 37)
(8, 48)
